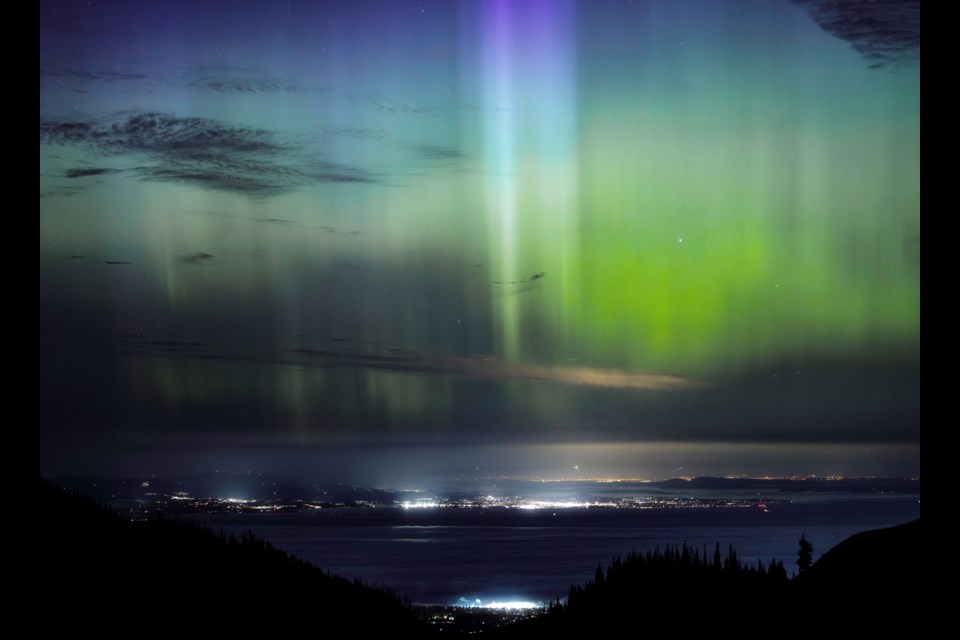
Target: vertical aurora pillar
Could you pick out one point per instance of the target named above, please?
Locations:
(530, 157)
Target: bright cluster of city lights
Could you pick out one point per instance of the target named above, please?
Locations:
(500, 605)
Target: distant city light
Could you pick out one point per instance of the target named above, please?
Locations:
(506, 605)
(419, 504)
(559, 504)
(511, 605)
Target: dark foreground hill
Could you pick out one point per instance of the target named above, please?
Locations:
(99, 571)
(868, 582)
(876, 572)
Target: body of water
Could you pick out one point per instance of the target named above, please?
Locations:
(443, 555)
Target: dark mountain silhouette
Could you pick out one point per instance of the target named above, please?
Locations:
(679, 586)
(97, 570)
(868, 564)
(784, 485)
(869, 581)
(251, 486)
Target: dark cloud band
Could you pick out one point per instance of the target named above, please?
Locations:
(885, 32)
(203, 152)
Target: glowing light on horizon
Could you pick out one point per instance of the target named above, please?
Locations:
(562, 504)
(506, 605)
(511, 605)
(420, 504)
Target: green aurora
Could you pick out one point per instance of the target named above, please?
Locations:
(543, 221)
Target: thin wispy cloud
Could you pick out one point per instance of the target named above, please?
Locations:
(435, 152)
(61, 191)
(283, 223)
(199, 259)
(394, 106)
(96, 75)
(357, 133)
(251, 86)
(254, 83)
(87, 173)
(341, 354)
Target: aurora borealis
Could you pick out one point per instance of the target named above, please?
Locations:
(471, 226)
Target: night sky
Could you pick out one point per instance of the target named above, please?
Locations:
(385, 241)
